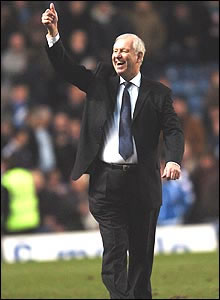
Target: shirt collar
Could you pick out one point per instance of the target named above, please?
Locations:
(135, 80)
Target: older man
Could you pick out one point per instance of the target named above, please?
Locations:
(123, 116)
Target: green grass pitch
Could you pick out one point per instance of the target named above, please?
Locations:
(176, 276)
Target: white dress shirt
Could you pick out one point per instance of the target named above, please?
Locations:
(110, 151)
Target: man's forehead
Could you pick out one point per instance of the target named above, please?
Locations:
(124, 43)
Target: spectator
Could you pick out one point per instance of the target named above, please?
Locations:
(22, 11)
(193, 128)
(107, 24)
(206, 183)
(24, 146)
(75, 126)
(80, 47)
(67, 209)
(77, 17)
(183, 41)
(19, 104)
(15, 57)
(20, 202)
(39, 66)
(211, 112)
(49, 204)
(212, 94)
(8, 24)
(64, 145)
(40, 121)
(210, 42)
(150, 27)
(74, 103)
(6, 132)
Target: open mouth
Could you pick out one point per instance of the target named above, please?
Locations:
(120, 63)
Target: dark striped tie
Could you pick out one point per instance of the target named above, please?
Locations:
(125, 137)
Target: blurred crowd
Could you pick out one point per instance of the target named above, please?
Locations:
(41, 114)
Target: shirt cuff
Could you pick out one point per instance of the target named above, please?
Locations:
(52, 40)
(173, 162)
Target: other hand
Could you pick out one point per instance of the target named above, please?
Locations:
(171, 171)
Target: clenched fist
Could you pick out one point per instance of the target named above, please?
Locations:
(49, 19)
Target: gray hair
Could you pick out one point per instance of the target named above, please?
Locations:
(138, 44)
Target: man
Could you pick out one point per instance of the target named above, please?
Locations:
(123, 116)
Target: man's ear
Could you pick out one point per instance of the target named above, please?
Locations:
(139, 57)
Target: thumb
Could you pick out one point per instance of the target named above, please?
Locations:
(52, 7)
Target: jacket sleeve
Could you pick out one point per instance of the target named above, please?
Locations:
(68, 69)
(172, 132)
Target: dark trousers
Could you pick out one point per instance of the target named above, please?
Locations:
(125, 226)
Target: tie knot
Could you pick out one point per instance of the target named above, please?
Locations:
(127, 84)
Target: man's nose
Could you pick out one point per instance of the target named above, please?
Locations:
(118, 55)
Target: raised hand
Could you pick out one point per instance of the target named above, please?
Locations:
(49, 19)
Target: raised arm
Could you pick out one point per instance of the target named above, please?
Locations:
(64, 65)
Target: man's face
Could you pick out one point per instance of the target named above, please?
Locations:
(124, 59)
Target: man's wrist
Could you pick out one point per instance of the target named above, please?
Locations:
(52, 33)
(51, 40)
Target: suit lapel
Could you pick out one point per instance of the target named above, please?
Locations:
(142, 96)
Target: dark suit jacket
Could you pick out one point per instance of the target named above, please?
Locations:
(153, 112)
